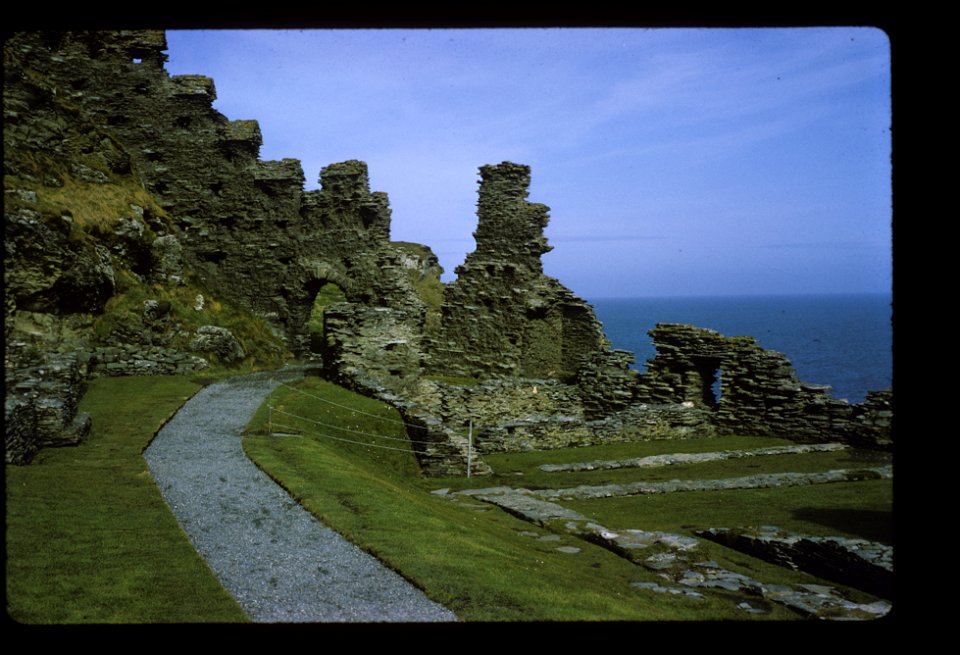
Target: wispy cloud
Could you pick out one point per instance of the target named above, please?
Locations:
(722, 141)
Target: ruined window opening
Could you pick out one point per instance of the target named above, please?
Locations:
(326, 294)
(708, 370)
(138, 60)
(182, 121)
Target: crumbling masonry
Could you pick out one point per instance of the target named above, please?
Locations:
(543, 374)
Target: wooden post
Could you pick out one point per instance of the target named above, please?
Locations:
(470, 448)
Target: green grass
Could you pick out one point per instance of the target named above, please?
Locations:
(532, 477)
(464, 554)
(861, 510)
(90, 539)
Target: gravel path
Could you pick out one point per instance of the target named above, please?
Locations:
(278, 561)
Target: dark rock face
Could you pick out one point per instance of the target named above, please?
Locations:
(47, 272)
(244, 227)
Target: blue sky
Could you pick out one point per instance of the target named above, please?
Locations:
(674, 161)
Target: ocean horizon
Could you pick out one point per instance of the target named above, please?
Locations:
(843, 340)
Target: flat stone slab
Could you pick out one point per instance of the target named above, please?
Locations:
(522, 504)
(655, 461)
(274, 557)
(673, 557)
(759, 481)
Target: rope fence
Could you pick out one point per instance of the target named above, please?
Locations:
(315, 433)
(355, 411)
(359, 443)
(360, 432)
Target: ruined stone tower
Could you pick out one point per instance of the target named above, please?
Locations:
(503, 317)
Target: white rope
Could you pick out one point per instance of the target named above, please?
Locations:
(359, 443)
(337, 427)
(356, 411)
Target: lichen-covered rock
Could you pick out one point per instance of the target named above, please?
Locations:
(218, 341)
(167, 255)
(155, 309)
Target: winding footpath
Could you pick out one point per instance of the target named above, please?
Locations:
(274, 557)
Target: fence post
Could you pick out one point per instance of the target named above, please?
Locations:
(270, 421)
(469, 448)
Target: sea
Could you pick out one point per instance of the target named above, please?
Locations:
(843, 340)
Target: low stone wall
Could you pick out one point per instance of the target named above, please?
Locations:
(142, 360)
(640, 423)
(496, 401)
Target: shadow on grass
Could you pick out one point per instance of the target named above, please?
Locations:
(873, 525)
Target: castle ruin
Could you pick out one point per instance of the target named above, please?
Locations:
(246, 230)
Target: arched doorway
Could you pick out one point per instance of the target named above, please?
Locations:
(327, 293)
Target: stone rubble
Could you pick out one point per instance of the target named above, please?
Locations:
(654, 461)
(676, 560)
(858, 563)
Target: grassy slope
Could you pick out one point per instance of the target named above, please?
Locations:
(89, 538)
(475, 560)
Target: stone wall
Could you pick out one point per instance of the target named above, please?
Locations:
(43, 390)
(378, 343)
(101, 106)
(759, 390)
(142, 360)
(245, 228)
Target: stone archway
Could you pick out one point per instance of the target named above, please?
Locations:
(326, 294)
(303, 319)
